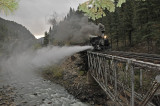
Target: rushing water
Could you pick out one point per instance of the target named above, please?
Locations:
(19, 72)
(39, 92)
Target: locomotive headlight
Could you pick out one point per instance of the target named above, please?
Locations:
(105, 37)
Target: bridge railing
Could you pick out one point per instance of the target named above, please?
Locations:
(126, 81)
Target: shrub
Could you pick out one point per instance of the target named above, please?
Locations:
(54, 71)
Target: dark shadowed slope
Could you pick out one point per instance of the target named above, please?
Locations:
(15, 37)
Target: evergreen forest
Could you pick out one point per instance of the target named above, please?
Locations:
(133, 26)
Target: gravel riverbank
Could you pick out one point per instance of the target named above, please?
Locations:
(7, 96)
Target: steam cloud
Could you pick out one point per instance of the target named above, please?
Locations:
(75, 30)
(22, 62)
(25, 63)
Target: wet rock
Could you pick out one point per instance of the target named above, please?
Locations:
(24, 102)
(73, 58)
(49, 102)
(35, 94)
(32, 96)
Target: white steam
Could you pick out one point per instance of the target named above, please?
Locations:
(26, 63)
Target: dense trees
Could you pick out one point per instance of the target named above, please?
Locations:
(134, 22)
(146, 22)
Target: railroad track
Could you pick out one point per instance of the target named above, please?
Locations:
(153, 58)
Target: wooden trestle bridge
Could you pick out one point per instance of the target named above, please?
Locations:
(126, 80)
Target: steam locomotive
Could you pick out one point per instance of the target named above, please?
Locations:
(100, 42)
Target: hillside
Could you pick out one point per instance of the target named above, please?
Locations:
(14, 37)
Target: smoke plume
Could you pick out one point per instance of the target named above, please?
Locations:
(24, 64)
(23, 61)
(75, 30)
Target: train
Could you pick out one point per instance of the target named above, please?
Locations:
(101, 42)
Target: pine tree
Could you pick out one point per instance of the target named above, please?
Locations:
(128, 20)
(121, 27)
(46, 39)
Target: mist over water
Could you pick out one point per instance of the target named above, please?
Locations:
(23, 65)
(19, 70)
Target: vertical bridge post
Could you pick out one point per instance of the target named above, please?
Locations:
(115, 69)
(132, 83)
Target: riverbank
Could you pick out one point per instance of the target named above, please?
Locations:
(7, 96)
(74, 79)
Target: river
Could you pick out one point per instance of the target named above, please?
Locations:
(36, 91)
